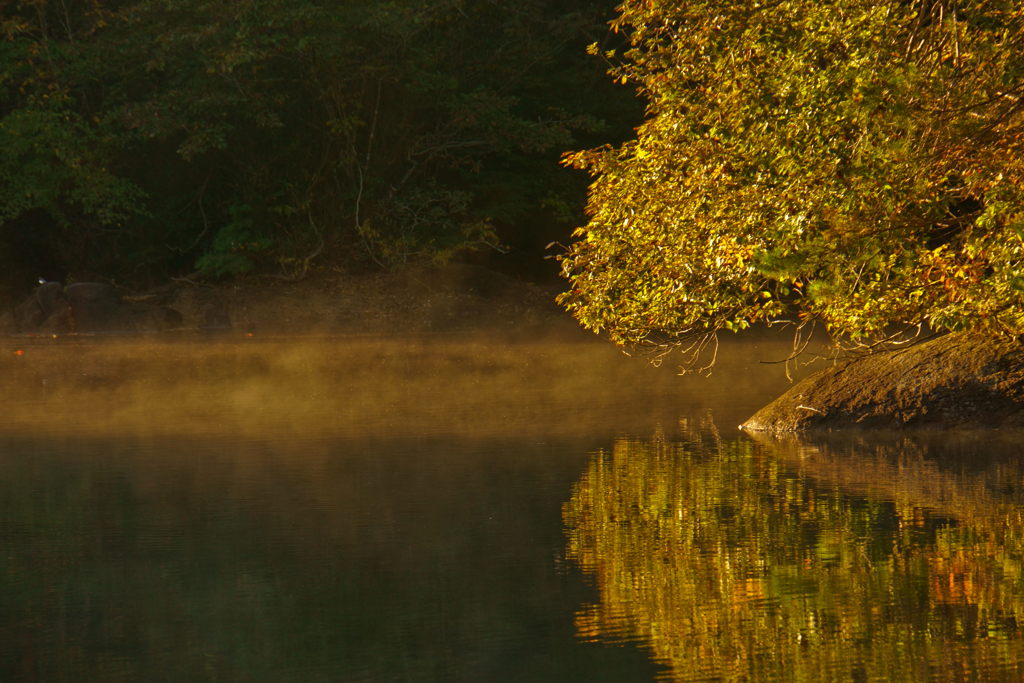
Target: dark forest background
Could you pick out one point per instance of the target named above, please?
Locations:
(141, 140)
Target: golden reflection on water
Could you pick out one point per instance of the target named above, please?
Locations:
(826, 559)
(840, 560)
(343, 509)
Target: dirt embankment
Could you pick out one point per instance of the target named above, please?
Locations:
(426, 299)
(964, 381)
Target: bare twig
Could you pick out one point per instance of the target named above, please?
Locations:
(359, 225)
(799, 346)
(206, 223)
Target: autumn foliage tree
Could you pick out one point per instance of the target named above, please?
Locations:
(858, 163)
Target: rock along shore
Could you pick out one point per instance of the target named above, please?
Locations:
(429, 298)
(957, 381)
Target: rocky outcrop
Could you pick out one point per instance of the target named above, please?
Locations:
(965, 381)
(96, 307)
(88, 307)
(423, 299)
(46, 310)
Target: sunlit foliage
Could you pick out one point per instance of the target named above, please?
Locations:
(859, 163)
(734, 566)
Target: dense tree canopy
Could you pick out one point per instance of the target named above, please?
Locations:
(854, 162)
(160, 136)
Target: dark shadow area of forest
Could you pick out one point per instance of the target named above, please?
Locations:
(145, 140)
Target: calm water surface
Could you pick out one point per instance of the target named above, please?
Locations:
(441, 509)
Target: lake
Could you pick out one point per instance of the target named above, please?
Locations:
(444, 508)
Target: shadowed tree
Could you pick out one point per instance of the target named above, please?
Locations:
(164, 135)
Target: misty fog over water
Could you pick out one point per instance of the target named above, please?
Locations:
(444, 508)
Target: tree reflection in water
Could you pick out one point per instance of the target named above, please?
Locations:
(742, 561)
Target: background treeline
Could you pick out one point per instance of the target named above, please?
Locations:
(145, 139)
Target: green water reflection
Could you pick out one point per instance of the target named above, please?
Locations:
(318, 560)
(396, 510)
(336, 509)
(897, 560)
